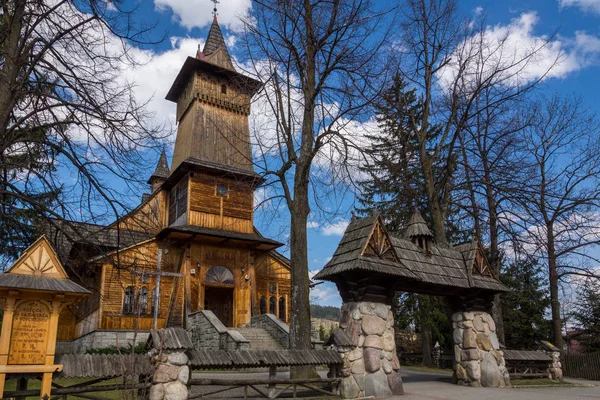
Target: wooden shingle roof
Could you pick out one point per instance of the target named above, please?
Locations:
(39, 269)
(416, 226)
(349, 254)
(42, 284)
(200, 358)
(440, 268)
(103, 365)
(172, 338)
(526, 355)
(162, 170)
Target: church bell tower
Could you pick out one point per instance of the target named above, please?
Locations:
(213, 104)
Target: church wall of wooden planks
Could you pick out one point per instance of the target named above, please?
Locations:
(191, 244)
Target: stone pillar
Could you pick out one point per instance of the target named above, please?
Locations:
(171, 376)
(370, 363)
(555, 371)
(478, 360)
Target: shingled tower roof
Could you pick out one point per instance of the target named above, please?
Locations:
(214, 40)
(416, 226)
(215, 49)
(162, 168)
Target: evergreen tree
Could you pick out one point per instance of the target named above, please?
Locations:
(587, 314)
(524, 307)
(23, 195)
(395, 185)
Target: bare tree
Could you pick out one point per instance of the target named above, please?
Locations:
(456, 65)
(560, 196)
(491, 160)
(319, 64)
(69, 123)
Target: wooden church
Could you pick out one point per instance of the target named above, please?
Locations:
(191, 244)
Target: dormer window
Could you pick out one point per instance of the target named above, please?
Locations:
(423, 242)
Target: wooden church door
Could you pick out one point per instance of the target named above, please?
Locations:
(218, 293)
(220, 302)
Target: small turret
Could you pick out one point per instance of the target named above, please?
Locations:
(418, 232)
(161, 173)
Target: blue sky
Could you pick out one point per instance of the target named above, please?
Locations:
(576, 24)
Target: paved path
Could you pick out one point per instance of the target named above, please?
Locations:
(433, 386)
(429, 386)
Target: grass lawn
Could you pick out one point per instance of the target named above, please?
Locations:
(538, 382)
(34, 384)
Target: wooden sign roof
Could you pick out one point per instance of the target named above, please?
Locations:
(39, 269)
(39, 260)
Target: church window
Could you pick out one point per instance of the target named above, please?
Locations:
(223, 89)
(128, 300)
(222, 189)
(220, 275)
(272, 305)
(282, 308)
(273, 288)
(263, 305)
(178, 201)
(143, 300)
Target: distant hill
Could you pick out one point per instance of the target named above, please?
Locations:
(325, 312)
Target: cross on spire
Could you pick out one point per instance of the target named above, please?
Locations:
(215, 9)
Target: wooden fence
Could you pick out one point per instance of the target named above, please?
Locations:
(584, 366)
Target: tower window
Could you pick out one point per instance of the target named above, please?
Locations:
(223, 89)
(222, 189)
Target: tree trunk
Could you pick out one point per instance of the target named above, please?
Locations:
(494, 247)
(300, 326)
(425, 331)
(435, 209)
(554, 301)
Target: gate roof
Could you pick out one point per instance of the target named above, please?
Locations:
(367, 249)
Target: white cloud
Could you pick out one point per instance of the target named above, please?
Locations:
(592, 6)
(325, 294)
(198, 13)
(156, 73)
(312, 225)
(335, 229)
(311, 274)
(523, 55)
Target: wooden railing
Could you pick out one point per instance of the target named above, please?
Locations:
(584, 366)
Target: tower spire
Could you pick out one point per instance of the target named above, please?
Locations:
(161, 173)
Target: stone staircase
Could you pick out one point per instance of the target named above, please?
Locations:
(259, 338)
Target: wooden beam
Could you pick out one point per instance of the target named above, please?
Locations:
(30, 369)
(159, 273)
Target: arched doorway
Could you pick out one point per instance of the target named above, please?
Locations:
(218, 293)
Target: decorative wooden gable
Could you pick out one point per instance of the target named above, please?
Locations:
(379, 244)
(481, 265)
(39, 260)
